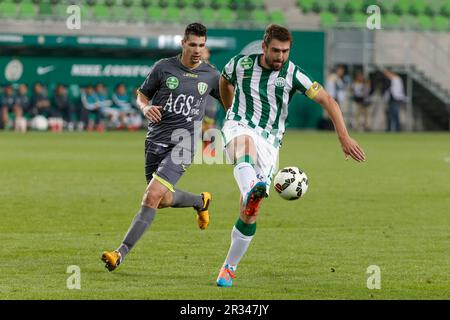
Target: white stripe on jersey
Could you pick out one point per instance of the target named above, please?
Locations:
(240, 78)
(254, 88)
(272, 99)
(303, 79)
(287, 89)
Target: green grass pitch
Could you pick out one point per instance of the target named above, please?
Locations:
(64, 198)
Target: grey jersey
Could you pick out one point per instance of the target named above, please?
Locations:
(181, 92)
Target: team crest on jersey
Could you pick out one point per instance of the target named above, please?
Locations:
(172, 83)
(202, 87)
(247, 63)
(280, 82)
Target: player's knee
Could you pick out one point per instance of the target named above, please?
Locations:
(166, 201)
(152, 199)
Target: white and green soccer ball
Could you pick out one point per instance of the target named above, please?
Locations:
(291, 183)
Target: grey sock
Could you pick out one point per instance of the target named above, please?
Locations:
(141, 222)
(183, 199)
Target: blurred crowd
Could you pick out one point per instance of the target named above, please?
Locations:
(93, 109)
(375, 103)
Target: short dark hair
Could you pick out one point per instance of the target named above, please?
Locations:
(196, 29)
(275, 31)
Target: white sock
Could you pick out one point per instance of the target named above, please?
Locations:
(239, 245)
(245, 176)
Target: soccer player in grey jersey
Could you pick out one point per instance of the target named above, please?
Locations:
(256, 90)
(177, 88)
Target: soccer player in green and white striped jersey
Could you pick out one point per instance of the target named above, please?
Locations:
(256, 90)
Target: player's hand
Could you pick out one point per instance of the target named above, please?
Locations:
(152, 113)
(352, 149)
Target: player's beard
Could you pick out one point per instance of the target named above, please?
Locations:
(274, 65)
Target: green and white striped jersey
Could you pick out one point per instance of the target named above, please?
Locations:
(262, 96)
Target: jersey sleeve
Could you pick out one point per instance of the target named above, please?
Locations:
(229, 71)
(153, 81)
(305, 83)
(215, 86)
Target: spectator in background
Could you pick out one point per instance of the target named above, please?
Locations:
(8, 105)
(109, 112)
(22, 102)
(63, 108)
(121, 102)
(40, 104)
(335, 86)
(138, 120)
(360, 93)
(395, 97)
(102, 96)
(22, 99)
(91, 109)
(378, 105)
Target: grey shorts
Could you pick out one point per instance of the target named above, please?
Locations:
(165, 164)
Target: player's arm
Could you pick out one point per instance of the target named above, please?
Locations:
(226, 92)
(349, 145)
(152, 113)
(228, 81)
(146, 92)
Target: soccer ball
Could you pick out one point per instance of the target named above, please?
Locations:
(39, 123)
(291, 183)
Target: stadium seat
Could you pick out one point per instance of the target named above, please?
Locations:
(345, 17)
(359, 18)
(198, 4)
(410, 21)
(45, 9)
(166, 3)
(180, 4)
(242, 15)
(207, 15)
(391, 20)
(425, 22)
(277, 16)
(328, 19)
(121, 13)
(418, 7)
(402, 7)
(27, 10)
(8, 9)
(155, 14)
(217, 4)
(138, 13)
(445, 9)
(226, 16)
(190, 14)
(256, 4)
(354, 6)
(142, 3)
(172, 14)
(306, 5)
(100, 12)
(441, 23)
(320, 6)
(336, 6)
(386, 6)
(433, 7)
(259, 17)
(60, 11)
